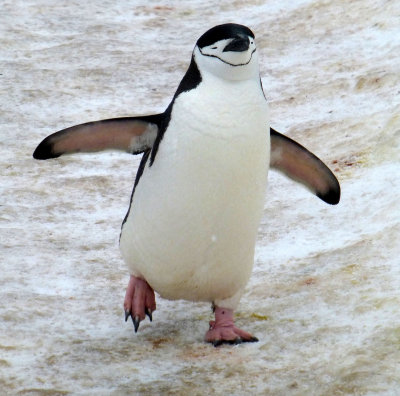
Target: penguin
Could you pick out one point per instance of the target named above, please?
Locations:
(198, 197)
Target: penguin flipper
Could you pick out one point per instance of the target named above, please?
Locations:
(131, 134)
(301, 165)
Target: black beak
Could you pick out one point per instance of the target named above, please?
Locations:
(238, 44)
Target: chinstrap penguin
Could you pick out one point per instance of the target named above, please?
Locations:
(198, 196)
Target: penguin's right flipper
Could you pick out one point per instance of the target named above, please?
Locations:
(131, 134)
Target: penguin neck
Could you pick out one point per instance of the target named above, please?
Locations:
(219, 92)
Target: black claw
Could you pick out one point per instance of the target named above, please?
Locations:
(217, 343)
(252, 339)
(149, 314)
(236, 341)
(136, 322)
(127, 314)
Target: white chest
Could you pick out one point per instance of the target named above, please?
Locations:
(196, 210)
(216, 131)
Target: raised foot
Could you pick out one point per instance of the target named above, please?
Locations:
(223, 330)
(139, 301)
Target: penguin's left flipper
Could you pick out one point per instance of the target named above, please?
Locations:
(131, 134)
(301, 165)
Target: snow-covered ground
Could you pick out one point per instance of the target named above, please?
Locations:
(324, 298)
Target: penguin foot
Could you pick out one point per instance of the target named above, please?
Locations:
(223, 330)
(139, 301)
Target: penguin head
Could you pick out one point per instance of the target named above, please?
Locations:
(227, 51)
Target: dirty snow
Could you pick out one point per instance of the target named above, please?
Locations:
(324, 297)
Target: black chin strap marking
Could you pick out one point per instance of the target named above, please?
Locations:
(230, 64)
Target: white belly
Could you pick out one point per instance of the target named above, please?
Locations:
(193, 222)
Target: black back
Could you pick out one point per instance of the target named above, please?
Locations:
(190, 80)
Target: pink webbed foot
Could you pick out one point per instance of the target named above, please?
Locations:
(223, 330)
(139, 301)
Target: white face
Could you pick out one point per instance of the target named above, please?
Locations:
(234, 64)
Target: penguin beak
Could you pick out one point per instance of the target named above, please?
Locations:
(238, 44)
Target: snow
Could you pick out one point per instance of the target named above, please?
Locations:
(324, 295)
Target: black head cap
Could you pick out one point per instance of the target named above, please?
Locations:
(223, 32)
